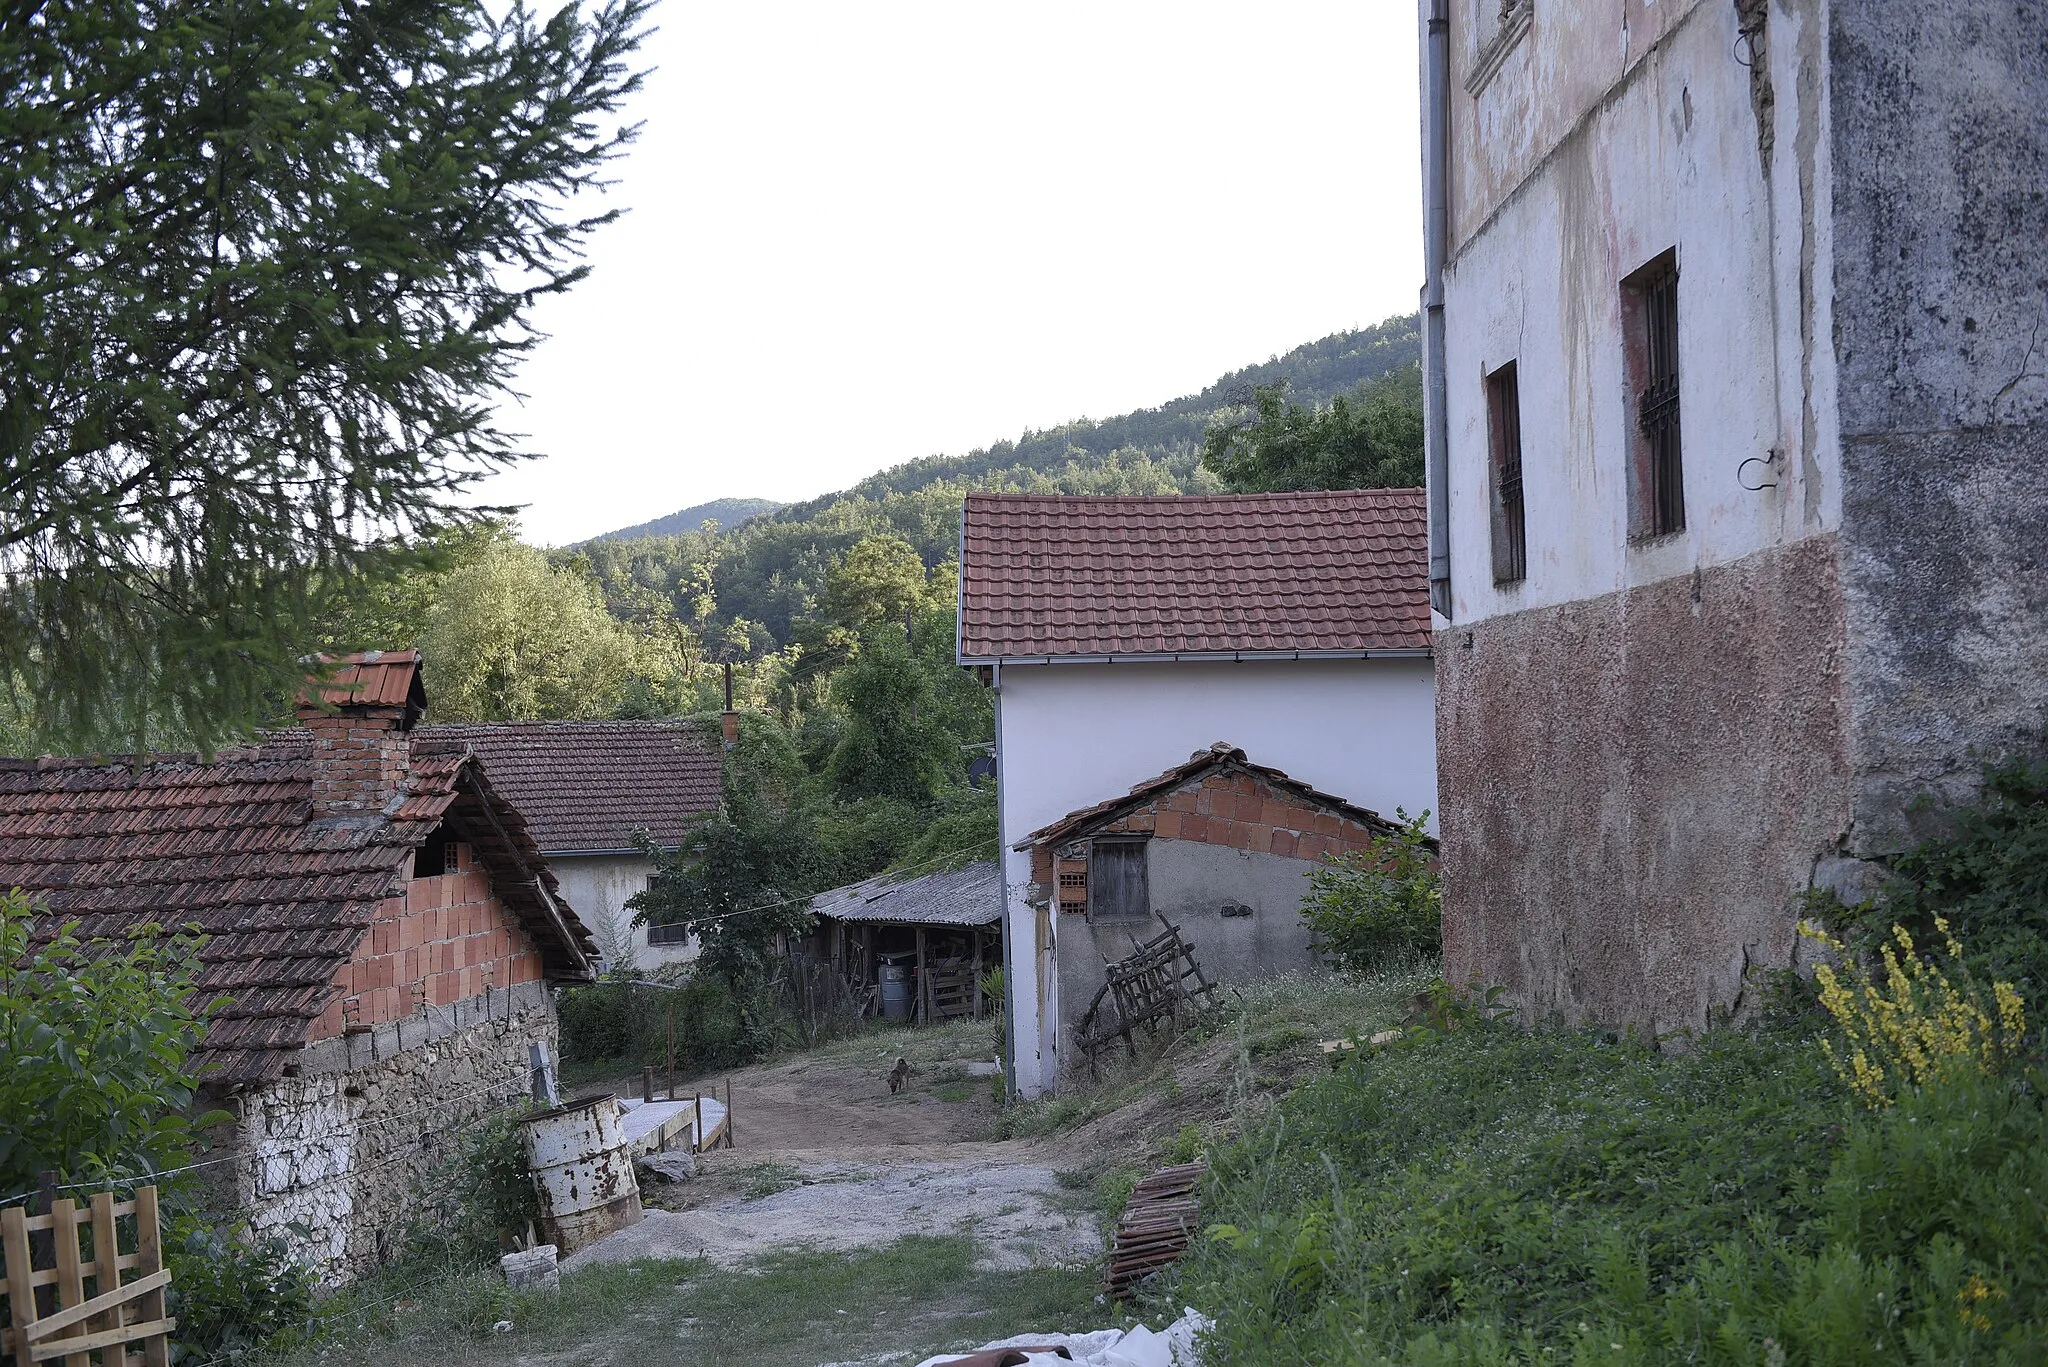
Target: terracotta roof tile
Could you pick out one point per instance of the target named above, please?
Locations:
(228, 844)
(1221, 755)
(1053, 575)
(373, 678)
(588, 785)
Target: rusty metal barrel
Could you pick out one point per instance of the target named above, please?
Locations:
(583, 1171)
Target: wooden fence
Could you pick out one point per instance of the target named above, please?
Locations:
(64, 1290)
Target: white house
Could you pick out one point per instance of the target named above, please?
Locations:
(1736, 422)
(586, 788)
(1121, 635)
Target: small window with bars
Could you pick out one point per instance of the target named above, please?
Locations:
(1510, 526)
(1657, 472)
(668, 935)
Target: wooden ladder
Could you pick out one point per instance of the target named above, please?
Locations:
(92, 1308)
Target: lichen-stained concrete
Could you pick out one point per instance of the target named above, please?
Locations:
(1649, 747)
(1940, 220)
(1637, 788)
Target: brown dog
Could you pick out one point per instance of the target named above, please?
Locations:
(899, 1075)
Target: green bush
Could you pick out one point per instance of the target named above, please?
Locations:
(717, 1025)
(231, 1292)
(1380, 904)
(95, 1084)
(477, 1201)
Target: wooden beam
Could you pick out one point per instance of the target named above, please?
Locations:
(924, 981)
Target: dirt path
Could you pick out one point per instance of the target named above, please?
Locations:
(827, 1157)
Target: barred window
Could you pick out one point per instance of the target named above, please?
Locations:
(1657, 473)
(1510, 527)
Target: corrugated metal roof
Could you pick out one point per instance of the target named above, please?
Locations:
(971, 896)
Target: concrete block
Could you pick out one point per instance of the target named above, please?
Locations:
(532, 1270)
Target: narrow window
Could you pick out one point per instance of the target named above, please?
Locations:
(1656, 475)
(1510, 529)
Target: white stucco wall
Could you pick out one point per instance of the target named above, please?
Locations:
(1071, 735)
(596, 887)
(1615, 131)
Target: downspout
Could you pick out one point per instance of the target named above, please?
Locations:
(1436, 120)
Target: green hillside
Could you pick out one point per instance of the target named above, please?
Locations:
(726, 512)
(746, 587)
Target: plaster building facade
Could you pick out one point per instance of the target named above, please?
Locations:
(1737, 348)
(586, 789)
(1218, 846)
(1122, 634)
(379, 920)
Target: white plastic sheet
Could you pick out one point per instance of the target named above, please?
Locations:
(1173, 1346)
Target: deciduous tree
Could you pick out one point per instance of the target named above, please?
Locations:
(1372, 440)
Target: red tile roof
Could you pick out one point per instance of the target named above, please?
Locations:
(229, 843)
(586, 786)
(373, 678)
(1059, 575)
(1221, 755)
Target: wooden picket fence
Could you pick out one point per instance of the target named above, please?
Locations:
(92, 1315)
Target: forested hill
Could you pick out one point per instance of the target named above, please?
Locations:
(745, 588)
(726, 512)
(1314, 373)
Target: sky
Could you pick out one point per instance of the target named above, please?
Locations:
(860, 233)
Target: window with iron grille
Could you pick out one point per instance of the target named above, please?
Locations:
(1657, 474)
(1510, 527)
(668, 935)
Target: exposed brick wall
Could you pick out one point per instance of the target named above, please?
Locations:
(449, 933)
(360, 758)
(1232, 809)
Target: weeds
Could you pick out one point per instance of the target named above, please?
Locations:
(1488, 1196)
(916, 1297)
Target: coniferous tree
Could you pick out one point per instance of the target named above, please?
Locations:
(264, 266)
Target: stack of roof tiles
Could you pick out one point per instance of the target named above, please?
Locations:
(1054, 575)
(229, 845)
(585, 787)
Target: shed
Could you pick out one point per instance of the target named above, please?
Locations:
(942, 927)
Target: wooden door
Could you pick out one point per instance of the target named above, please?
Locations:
(1117, 889)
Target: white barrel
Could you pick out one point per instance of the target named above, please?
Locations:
(583, 1171)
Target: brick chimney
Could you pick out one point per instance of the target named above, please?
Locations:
(359, 709)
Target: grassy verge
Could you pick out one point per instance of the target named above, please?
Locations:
(1496, 1197)
(903, 1303)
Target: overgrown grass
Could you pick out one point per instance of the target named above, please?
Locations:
(917, 1297)
(1494, 1197)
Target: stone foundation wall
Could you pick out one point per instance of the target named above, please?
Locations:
(342, 1148)
(1637, 788)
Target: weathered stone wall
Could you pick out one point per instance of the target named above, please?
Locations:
(342, 1148)
(1638, 787)
(1940, 137)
